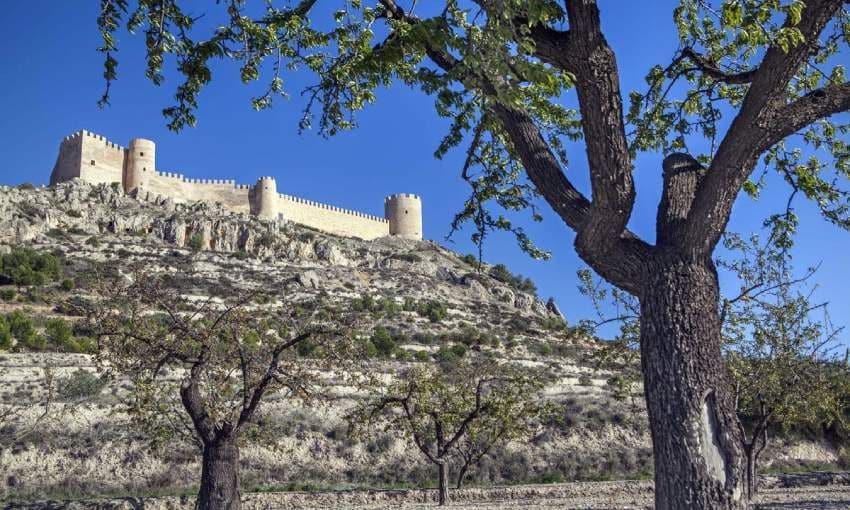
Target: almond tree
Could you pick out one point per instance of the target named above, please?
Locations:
(779, 351)
(451, 410)
(747, 78)
(229, 357)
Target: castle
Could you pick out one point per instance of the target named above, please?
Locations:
(93, 158)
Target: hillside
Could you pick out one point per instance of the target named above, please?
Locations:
(434, 304)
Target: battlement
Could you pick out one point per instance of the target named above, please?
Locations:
(92, 157)
(400, 196)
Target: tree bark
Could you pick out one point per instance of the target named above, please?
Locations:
(698, 456)
(461, 475)
(220, 476)
(443, 484)
(751, 470)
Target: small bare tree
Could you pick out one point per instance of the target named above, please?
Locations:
(455, 409)
(229, 355)
(779, 350)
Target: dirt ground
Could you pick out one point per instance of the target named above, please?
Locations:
(573, 496)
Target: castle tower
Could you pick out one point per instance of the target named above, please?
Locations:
(404, 212)
(140, 165)
(264, 199)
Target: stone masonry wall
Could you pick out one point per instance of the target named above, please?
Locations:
(225, 192)
(101, 161)
(332, 219)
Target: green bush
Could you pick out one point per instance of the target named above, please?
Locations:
(388, 306)
(35, 343)
(469, 336)
(80, 385)
(366, 303)
(470, 259)
(502, 273)
(59, 334)
(196, 243)
(543, 349)
(449, 354)
(409, 304)
(21, 325)
(368, 348)
(422, 356)
(383, 341)
(305, 348)
(423, 338)
(75, 213)
(5, 334)
(403, 355)
(434, 310)
(554, 323)
(26, 267)
(67, 285)
(93, 242)
(82, 345)
(7, 294)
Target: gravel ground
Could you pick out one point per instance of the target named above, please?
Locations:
(570, 496)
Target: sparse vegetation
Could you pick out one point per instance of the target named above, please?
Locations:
(407, 257)
(501, 273)
(80, 385)
(435, 311)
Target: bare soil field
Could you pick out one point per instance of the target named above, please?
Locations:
(619, 495)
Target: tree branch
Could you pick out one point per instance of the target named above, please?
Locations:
(815, 105)
(601, 106)
(752, 131)
(710, 69)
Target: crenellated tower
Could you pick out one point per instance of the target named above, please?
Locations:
(140, 165)
(404, 213)
(264, 199)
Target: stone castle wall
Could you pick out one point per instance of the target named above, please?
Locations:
(232, 196)
(332, 219)
(95, 159)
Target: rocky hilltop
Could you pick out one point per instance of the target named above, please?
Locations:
(89, 447)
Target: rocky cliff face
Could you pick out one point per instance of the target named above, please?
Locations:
(71, 213)
(91, 448)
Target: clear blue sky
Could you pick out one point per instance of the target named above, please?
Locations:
(52, 80)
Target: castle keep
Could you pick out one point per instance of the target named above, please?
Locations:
(93, 158)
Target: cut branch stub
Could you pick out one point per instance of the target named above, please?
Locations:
(682, 176)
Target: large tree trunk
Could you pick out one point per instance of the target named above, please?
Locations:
(220, 476)
(443, 484)
(698, 457)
